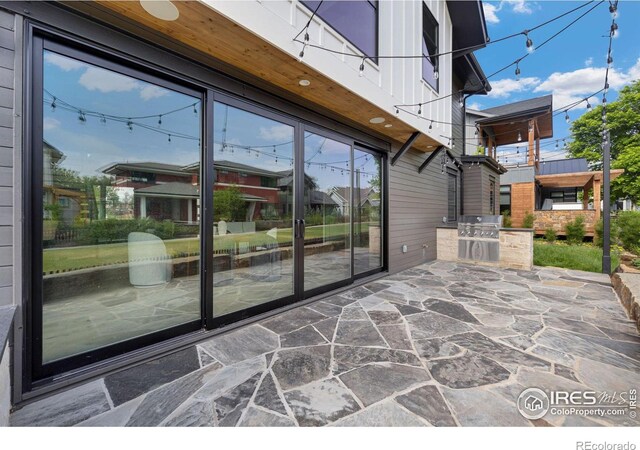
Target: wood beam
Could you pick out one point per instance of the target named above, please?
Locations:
(585, 193)
(405, 147)
(429, 159)
(532, 133)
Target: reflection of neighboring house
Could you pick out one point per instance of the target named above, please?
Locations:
(171, 192)
(160, 191)
(68, 200)
(361, 197)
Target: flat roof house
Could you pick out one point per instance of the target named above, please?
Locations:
(194, 149)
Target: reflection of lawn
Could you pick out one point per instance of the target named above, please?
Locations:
(74, 258)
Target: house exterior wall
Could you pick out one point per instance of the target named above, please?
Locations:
(417, 205)
(391, 81)
(477, 182)
(522, 202)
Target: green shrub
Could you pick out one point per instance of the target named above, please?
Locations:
(575, 230)
(506, 219)
(528, 220)
(629, 230)
(599, 232)
(550, 235)
(636, 263)
(115, 230)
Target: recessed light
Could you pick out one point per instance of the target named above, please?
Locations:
(161, 9)
(377, 120)
(304, 82)
(388, 125)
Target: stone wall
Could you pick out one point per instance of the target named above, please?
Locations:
(516, 248)
(557, 219)
(627, 286)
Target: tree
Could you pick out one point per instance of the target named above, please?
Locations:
(229, 205)
(623, 123)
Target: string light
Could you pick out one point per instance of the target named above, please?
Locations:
(519, 137)
(566, 117)
(130, 125)
(518, 71)
(529, 42)
(436, 75)
(169, 138)
(53, 104)
(613, 9)
(82, 118)
(301, 54)
(420, 110)
(588, 105)
(361, 71)
(103, 120)
(431, 125)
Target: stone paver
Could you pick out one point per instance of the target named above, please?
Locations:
(441, 344)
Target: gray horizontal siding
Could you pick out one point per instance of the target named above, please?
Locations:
(417, 203)
(7, 82)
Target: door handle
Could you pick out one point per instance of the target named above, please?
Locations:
(296, 228)
(303, 225)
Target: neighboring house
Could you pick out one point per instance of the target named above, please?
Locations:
(555, 192)
(342, 197)
(123, 81)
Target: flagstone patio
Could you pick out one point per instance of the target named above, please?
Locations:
(441, 344)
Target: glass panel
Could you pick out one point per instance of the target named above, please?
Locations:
(429, 47)
(252, 210)
(367, 219)
(120, 205)
(327, 209)
(357, 21)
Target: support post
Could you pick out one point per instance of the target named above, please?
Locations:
(405, 147)
(606, 209)
(532, 133)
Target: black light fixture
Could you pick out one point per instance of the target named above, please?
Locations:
(566, 116)
(517, 71)
(529, 42)
(420, 109)
(431, 125)
(361, 71)
(588, 105)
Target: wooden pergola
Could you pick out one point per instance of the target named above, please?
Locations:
(527, 122)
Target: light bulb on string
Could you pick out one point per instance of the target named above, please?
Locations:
(529, 42)
(82, 118)
(588, 105)
(436, 75)
(614, 29)
(517, 71)
(613, 9)
(431, 125)
(169, 138)
(301, 54)
(609, 60)
(397, 111)
(361, 70)
(130, 125)
(53, 105)
(519, 137)
(160, 120)
(103, 120)
(195, 110)
(419, 109)
(566, 117)
(306, 34)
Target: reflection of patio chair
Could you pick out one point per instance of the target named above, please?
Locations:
(149, 263)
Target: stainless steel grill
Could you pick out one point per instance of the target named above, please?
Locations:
(478, 238)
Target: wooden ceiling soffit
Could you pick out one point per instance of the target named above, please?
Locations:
(207, 31)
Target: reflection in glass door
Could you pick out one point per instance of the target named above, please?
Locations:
(252, 210)
(327, 211)
(118, 209)
(367, 211)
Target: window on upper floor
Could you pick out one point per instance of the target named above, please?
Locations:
(505, 198)
(429, 47)
(356, 21)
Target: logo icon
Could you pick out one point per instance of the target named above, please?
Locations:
(533, 403)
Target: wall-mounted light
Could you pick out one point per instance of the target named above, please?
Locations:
(161, 9)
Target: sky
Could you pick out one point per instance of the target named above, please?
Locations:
(570, 67)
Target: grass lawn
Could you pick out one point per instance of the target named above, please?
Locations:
(74, 258)
(580, 257)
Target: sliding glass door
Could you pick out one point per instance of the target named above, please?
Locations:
(116, 208)
(327, 212)
(159, 208)
(253, 204)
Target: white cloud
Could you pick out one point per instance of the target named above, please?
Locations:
(475, 105)
(278, 133)
(571, 87)
(507, 86)
(520, 6)
(62, 62)
(634, 72)
(49, 123)
(490, 11)
(589, 61)
(151, 91)
(97, 79)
